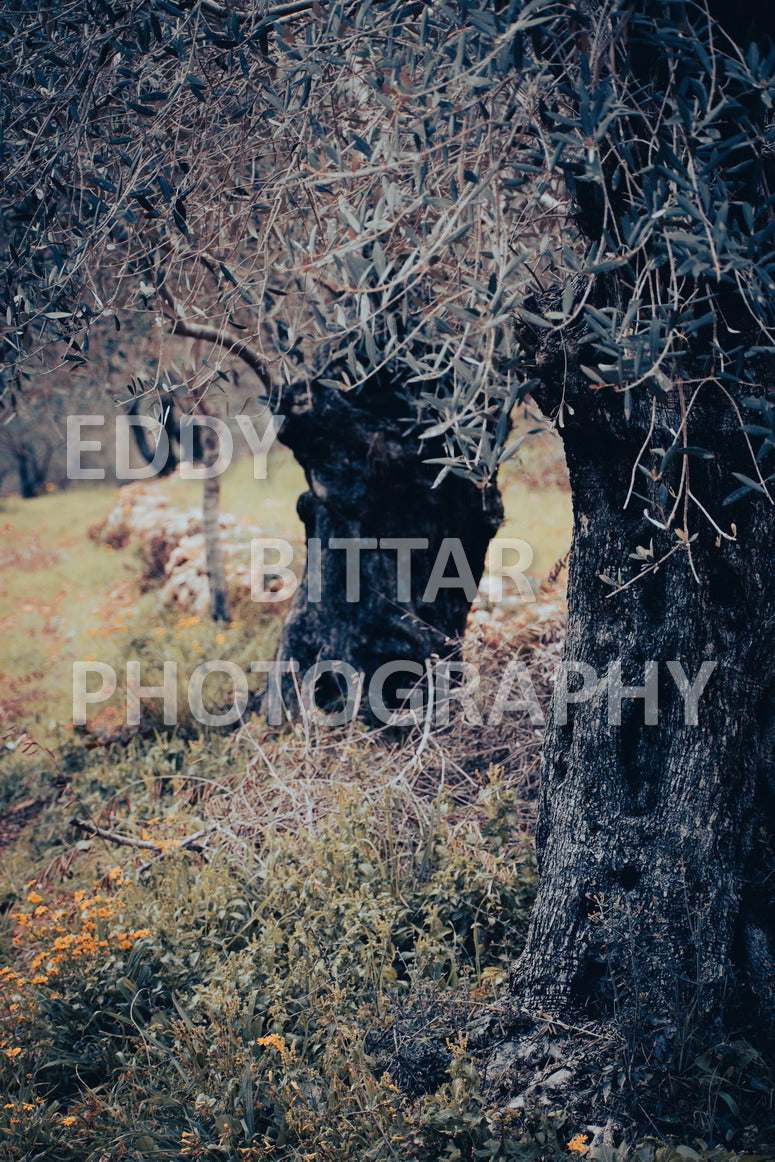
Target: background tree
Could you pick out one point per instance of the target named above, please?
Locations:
(204, 453)
(30, 453)
(178, 222)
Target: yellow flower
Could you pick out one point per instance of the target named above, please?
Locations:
(34, 898)
(220, 638)
(273, 1040)
(12, 1052)
(69, 1120)
(578, 1144)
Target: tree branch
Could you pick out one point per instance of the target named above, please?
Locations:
(190, 844)
(232, 343)
(282, 12)
(227, 339)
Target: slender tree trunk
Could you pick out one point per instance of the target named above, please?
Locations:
(205, 451)
(656, 905)
(211, 502)
(28, 483)
(32, 466)
(368, 479)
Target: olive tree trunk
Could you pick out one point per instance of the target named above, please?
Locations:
(369, 479)
(655, 915)
(654, 924)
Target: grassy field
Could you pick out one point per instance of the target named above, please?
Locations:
(63, 595)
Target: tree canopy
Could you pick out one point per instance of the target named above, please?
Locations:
(444, 190)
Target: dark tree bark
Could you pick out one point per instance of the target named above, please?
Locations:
(369, 478)
(655, 916)
(655, 841)
(654, 924)
(32, 465)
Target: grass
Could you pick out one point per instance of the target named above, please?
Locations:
(56, 587)
(270, 503)
(63, 595)
(542, 517)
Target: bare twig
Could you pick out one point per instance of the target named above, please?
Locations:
(190, 844)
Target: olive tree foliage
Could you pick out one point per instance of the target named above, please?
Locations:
(342, 166)
(396, 181)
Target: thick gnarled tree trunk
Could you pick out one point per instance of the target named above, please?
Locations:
(654, 927)
(369, 479)
(658, 821)
(655, 915)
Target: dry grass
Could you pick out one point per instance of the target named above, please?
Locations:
(300, 773)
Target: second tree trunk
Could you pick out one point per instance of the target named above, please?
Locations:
(368, 479)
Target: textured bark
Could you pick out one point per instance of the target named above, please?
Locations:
(655, 842)
(368, 478)
(656, 907)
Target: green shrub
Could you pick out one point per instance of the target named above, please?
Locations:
(301, 991)
(189, 641)
(213, 1008)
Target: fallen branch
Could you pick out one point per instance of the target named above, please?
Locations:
(189, 844)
